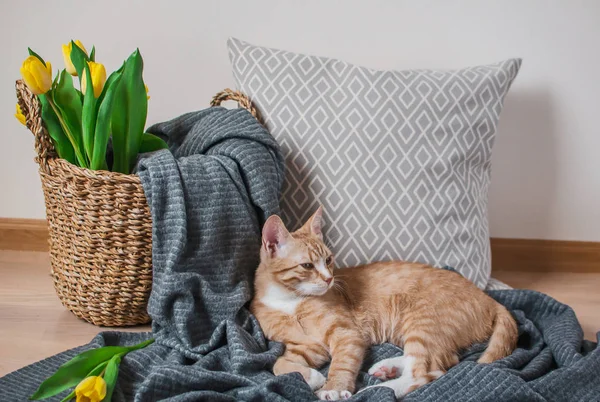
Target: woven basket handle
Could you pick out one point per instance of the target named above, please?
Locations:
(237, 96)
(31, 108)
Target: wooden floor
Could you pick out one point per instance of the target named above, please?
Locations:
(34, 325)
(33, 322)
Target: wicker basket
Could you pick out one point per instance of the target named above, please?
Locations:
(100, 229)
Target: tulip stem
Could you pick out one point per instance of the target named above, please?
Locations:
(80, 157)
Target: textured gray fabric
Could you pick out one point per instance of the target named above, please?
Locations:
(209, 197)
(552, 363)
(399, 159)
(208, 202)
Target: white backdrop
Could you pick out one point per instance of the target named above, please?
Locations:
(546, 167)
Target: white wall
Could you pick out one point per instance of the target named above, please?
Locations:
(546, 172)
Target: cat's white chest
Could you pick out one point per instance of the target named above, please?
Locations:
(280, 299)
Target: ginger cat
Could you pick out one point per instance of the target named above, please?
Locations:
(322, 314)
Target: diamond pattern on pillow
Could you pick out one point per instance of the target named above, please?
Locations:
(399, 159)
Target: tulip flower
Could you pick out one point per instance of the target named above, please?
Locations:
(91, 389)
(20, 116)
(66, 49)
(147, 96)
(37, 76)
(98, 74)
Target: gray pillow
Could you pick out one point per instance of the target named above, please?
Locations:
(400, 160)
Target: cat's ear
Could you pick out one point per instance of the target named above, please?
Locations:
(314, 223)
(274, 235)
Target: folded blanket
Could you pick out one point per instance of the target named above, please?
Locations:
(209, 196)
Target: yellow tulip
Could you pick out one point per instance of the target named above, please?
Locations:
(91, 389)
(98, 73)
(20, 116)
(36, 75)
(147, 96)
(66, 49)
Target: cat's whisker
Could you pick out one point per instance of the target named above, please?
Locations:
(328, 240)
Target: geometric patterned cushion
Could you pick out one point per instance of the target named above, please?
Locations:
(495, 284)
(400, 160)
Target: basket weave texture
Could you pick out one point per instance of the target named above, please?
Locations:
(100, 229)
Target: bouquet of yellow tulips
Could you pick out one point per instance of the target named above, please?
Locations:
(93, 373)
(81, 121)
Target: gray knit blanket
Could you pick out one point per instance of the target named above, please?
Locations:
(209, 196)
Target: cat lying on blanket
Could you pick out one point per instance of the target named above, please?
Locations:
(320, 314)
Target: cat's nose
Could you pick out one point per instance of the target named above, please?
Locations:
(328, 280)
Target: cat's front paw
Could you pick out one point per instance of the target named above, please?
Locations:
(333, 395)
(316, 380)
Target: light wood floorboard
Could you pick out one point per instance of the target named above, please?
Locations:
(33, 322)
(579, 290)
(34, 325)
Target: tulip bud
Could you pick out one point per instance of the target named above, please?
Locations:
(37, 76)
(20, 116)
(147, 90)
(66, 49)
(98, 74)
(91, 389)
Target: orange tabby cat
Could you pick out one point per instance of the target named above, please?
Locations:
(320, 314)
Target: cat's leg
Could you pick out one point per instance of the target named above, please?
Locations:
(441, 362)
(388, 368)
(425, 362)
(291, 362)
(347, 348)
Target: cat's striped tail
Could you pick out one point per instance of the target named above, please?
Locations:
(504, 336)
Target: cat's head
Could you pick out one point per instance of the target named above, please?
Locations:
(298, 261)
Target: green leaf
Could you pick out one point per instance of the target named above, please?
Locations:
(68, 103)
(106, 86)
(108, 83)
(151, 143)
(141, 345)
(110, 376)
(119, 129)
(78, 58)
(59, 139)
(32, 53)
(96, 371)
(88, 114)
(55, 82)
(68, 397)
(102, 131)
(80, 95)
(93, 54)
(72, 372)
(129, 114)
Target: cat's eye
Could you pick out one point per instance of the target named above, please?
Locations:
(307, 265)
(329, 260)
